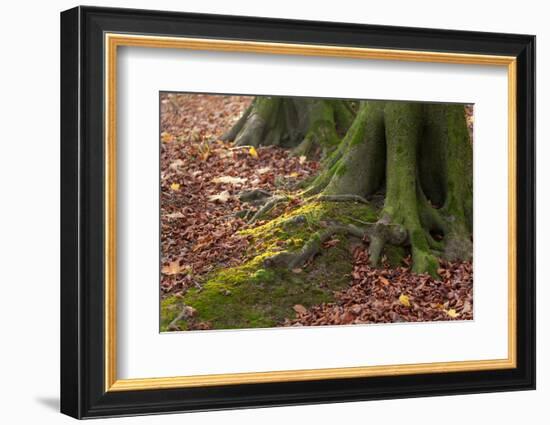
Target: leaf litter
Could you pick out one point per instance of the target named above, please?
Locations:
(201, 179)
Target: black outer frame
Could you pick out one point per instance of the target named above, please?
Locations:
(82, 212)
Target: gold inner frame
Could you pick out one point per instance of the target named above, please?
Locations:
(113, 41)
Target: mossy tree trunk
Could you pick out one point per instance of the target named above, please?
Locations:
(301, 123)
(418, 156)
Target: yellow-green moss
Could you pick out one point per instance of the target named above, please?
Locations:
(394, 254)
(251, 296)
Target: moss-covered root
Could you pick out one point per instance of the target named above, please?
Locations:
(403, 124)
(458, 207)
(292, 260)
(301, 123)
(269, 204)
(232, 133)
(446, 173)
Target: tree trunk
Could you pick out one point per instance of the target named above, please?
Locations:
(417, 156)
(305, 124)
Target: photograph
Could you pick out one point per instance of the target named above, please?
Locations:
(297, 211)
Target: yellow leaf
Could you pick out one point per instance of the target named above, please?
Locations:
(175, 186)
(253, 153)
(404, 299)
(166, 137)
(452, 313)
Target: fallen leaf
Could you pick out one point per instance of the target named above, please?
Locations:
(253, 153)
(177, 163)
(297, 270)
(302, 159)
(222, 197)
(173, 268)
(166, 137)
(174, 215)
(229, 180)
(331, 243)
(300, 309)
(452, 313)
(263, 170)
(387, 282)
(347, 318)
(404, 300)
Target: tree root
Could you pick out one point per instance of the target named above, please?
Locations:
(342, 198)
(292, 260)
(268, 206)
(232, 133)
(384, 232)
(297, 219)
(379, 233)
(255, 195)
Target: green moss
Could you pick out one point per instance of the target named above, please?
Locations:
(425, 262)
(170, 308)
(341, 170)
(251, 296)
(394, 255)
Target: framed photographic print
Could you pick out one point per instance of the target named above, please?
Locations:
(261, 212)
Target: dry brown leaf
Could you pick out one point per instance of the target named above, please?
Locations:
(173, 268)
(300, 309)
(174, 215)
(221, 197)
(384, 280)
(230, 180)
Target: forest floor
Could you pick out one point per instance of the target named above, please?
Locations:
(202, 229)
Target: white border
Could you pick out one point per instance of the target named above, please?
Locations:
(142, 352)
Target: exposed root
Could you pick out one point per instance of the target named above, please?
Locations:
(268, 206)
(384, 232)
(232, 133)
(292, 260)
(342, 198)
(297, 219)
(185, 313)
(251, 134)
(253, 196)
